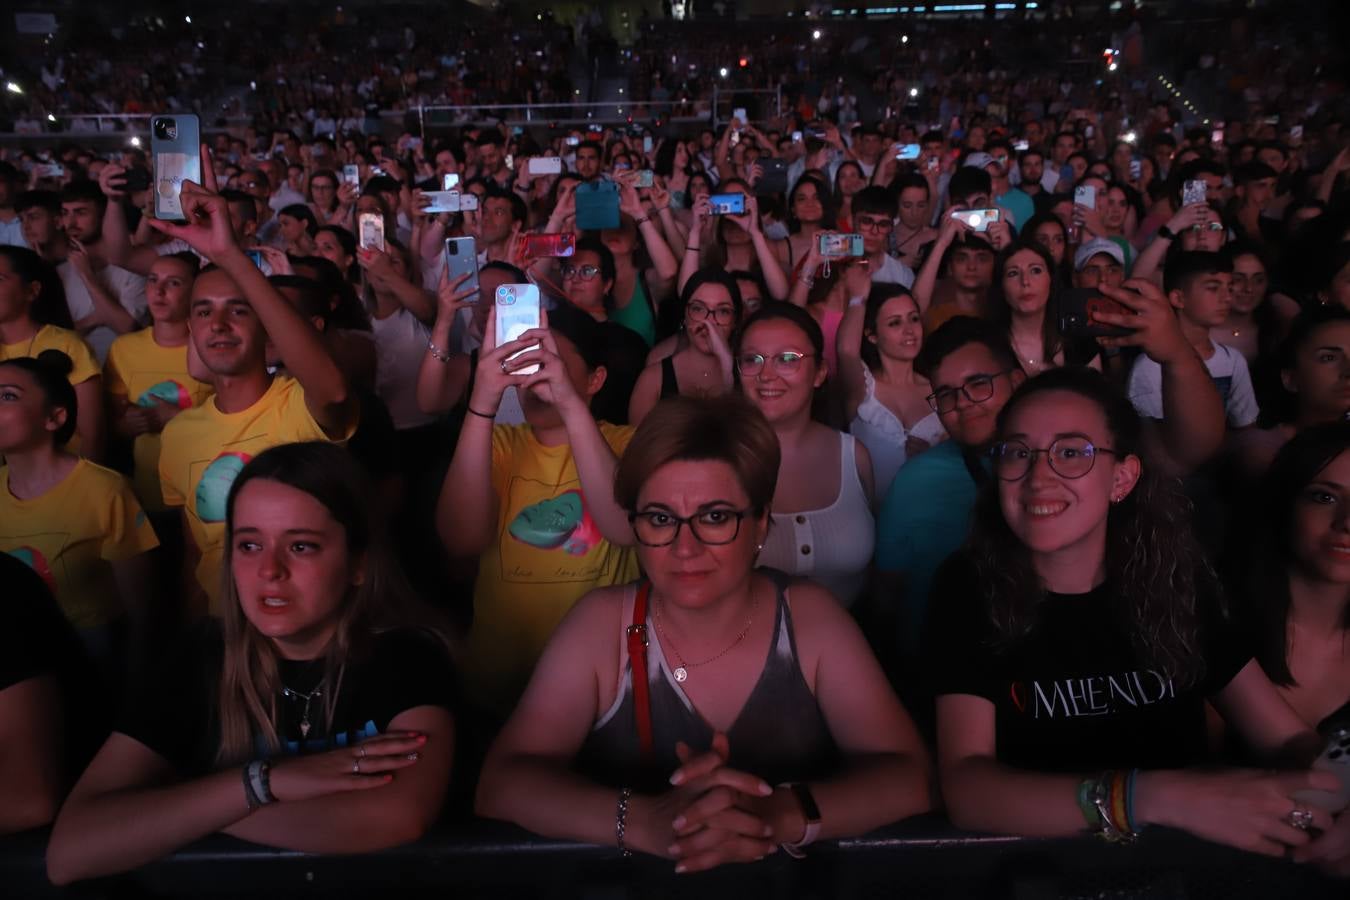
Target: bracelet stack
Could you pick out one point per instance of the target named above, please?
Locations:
(437, 353)
(1107, 804)
(621, 820)
(257, 777)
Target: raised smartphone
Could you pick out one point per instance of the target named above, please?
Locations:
(1085, 195)
(517, 313)
(461, 258)
(978, 219)
(558, 245)
(839, 245)
(644, 178)
(370, 231)
(175, 151)
(1076, 306)
(1194, 192)
(544, 165)
(727, 204)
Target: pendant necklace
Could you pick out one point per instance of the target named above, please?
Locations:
(681, 671)
(304, 714)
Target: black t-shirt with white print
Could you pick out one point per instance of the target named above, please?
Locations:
(177, 716)
(1072, 695)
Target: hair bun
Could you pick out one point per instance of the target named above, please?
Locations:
(56, 361)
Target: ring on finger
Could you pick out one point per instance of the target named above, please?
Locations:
(1300, 818)
(356, 766)
(503, 364)
(362, 752)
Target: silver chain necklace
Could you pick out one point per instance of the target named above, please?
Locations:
(304, 715)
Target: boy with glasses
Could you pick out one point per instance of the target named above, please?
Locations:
(874, 219)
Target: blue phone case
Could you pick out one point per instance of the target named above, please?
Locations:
(597, 206)
(727, 204)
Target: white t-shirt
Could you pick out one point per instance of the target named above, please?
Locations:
(11, 233)
(400, 344)
(1229, 371)
(284, 197)
(127, 288)
(893, 271)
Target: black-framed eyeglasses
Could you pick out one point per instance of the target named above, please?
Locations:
(784, 363)
(1069, 457)
(874, 224)
(714, 527)
(977, 388)
(722, 315)
(584, 273)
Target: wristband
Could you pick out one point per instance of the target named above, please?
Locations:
(810, 812)
(257, 777)
(479, 414)
(642, 221)
(1166, 233)
(437, 353)
(687, 248)
(621, 821)
(856, 301)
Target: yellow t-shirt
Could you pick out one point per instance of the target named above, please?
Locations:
(73, 533)
(548, 554)
(140, 371)
(50, 337)
(202, 451)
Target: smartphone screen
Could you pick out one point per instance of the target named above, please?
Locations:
(645, 178)
(557, 245)
(175, 147)
(442, 202)
(1195, 191)
(977, 219)
(796, 137)
(371, 231)
(907, 151)
(727, 204)
(646, 143)
(449, 182)
(517, 313)
(836, 245)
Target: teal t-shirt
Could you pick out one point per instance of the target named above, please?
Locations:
(923, 520)
(637, 316)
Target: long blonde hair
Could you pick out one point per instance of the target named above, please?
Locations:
(250, 681)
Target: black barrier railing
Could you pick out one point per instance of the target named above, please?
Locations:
(922, 858)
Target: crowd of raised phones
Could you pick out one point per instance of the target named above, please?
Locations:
(999, 469)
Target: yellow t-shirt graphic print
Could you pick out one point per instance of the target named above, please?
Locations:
(548, 554)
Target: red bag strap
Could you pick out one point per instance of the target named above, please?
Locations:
(637, 656)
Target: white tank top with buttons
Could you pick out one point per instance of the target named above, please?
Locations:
(831, 546)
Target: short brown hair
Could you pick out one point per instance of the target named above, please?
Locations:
(725, 429)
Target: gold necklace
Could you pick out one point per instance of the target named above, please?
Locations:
(681, 671)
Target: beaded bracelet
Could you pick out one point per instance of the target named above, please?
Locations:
(437, 353)
(621, 820)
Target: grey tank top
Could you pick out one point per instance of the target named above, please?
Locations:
(780, 734)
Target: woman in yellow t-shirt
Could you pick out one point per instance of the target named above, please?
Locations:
(75, 523)
(33, 318)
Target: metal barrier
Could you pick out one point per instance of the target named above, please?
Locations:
(547, 114)
(920, 859)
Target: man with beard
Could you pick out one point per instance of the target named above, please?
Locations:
(105, 300)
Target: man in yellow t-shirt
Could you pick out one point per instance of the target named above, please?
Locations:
(143, 373)
(73, 536)
(534, 502)
(233, 315)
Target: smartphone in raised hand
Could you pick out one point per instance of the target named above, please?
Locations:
(461, 258)
(175, 152)
(370, 228)
(517, 308)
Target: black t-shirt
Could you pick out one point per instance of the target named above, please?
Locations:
(36, 641)
(1072, 695)
(625, 358)
(177, 716)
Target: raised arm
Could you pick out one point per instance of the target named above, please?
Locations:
(444, 376)
(849, 338)
(926, 280)
(297, 342)
(1150, 260)
(1193, 425)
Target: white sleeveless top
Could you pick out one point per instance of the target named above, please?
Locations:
(400, 343)
(832, 546)
(884, 435)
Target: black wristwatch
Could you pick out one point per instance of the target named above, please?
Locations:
(1164, 231)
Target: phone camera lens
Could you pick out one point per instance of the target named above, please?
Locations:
(166, 129)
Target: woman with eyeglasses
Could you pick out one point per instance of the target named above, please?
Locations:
(727, 682)
(823, 527)
(702, 367)
(1196, 226)
(588, 278)
(1075, 640)
(330, 201)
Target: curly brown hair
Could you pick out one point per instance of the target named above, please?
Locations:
(1158, 569)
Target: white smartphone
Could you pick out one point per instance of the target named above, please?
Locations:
(371, 231)
(1335, 758)
(443, 201)
(739, 113)
(544, 165)
(352, 175)
(1085, 195)
(449, 182)
(517, 313)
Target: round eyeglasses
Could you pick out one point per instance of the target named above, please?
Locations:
(1069, 457)
(581, 273)
(722, 315)
(784, 363)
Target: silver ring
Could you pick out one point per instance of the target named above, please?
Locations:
(363, 752)
(1301, 819)
(356, 767)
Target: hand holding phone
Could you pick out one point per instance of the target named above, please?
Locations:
(978, 219)
(1085, 195)
(727, 204)
(175, 148)
(1193, 192)
(517, 311)
(839, 245)
(371, 231)
(1077, 307)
